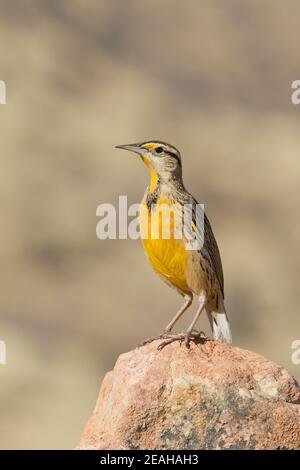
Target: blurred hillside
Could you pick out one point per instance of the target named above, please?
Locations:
(214, 79)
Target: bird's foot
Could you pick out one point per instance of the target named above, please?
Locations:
(169, 338)
(164, 335)
(187, 337)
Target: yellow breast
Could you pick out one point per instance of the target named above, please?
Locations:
(166, 253)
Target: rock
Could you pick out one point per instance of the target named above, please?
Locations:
(212, 396)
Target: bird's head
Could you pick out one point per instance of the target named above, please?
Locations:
(162, 159)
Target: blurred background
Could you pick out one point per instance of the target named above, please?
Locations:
(213, 78)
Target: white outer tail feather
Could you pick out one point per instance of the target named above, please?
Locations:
(221, 328)
(220, 324)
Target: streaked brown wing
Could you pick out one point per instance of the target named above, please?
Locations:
(211, 246)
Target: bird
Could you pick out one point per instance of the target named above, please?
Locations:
(193, 269)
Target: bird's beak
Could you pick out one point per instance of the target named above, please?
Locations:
(131, 148)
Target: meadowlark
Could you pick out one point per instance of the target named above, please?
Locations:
(192, 269)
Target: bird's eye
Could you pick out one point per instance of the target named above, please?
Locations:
(159, 150)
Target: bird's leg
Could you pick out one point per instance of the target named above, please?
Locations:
(187, 303)
(189, 332)
(167, 331)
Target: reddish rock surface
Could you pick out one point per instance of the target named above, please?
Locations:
(212, 396)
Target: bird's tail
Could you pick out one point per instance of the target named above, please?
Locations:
(220, 325)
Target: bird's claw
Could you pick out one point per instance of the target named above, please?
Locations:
(169, 338)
